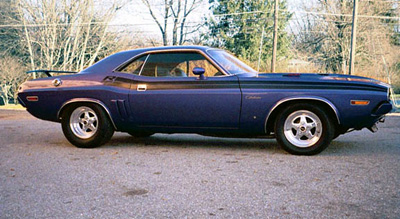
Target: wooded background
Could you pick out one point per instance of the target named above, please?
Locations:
(312, 36)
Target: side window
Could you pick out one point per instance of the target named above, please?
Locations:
(177, 64)
(135, 66)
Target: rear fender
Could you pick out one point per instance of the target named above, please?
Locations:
(86, 100)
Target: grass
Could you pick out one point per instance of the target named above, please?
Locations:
(12, 107)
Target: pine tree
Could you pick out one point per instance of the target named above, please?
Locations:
(237, 26)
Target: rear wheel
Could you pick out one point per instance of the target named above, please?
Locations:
(86, 125)
(304, 129)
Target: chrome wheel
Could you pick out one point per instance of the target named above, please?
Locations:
(303, 128)
(84, 122)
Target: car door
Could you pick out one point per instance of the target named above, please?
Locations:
(167, 94)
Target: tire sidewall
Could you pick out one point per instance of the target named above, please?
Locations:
(326, 136)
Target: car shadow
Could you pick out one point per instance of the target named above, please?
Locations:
(351, 148)
(341, 147)
(193, 141)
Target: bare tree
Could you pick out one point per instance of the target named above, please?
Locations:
(324, 36)
(12, 74)
(10, 37)
(327, 38)
(162, 25)
(178, 11)
(378, 55)
(180, 14)
(63, 34)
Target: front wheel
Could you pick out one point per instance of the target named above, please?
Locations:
(304, 129)
(86, 125)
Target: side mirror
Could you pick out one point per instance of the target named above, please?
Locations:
(200, 72)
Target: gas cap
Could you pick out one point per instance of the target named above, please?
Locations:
(57, 82)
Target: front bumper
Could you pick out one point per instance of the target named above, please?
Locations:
(379, 113)
(382, 109)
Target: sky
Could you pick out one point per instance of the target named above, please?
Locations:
(135, 17)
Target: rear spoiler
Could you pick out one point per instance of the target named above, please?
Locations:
(47, 72)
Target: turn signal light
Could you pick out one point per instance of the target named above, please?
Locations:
(360, 102)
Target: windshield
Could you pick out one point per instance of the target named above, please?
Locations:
(229, 62)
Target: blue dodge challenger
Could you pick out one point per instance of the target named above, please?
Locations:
(196, 89)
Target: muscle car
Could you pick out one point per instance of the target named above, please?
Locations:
(208, 91)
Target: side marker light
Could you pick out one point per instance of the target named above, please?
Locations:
(359, 102)
(32, 98)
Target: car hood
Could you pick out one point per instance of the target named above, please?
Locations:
(324, 79)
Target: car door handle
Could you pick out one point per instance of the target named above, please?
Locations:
(141, 87)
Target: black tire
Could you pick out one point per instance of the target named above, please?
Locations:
(140, 134)
(309, 130)
(98, 128)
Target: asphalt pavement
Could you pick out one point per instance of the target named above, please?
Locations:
(190, 176)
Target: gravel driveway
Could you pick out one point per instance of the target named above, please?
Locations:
(178, 176)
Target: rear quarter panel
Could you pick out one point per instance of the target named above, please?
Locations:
(74, 88)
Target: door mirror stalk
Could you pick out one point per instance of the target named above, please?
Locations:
(200, 72)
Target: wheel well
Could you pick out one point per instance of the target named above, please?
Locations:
(68, 104)
(270, 124)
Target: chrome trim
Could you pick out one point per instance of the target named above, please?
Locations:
(77, 100)
(21, 101)
(301, 98)
(206, 55)
(144, 63)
